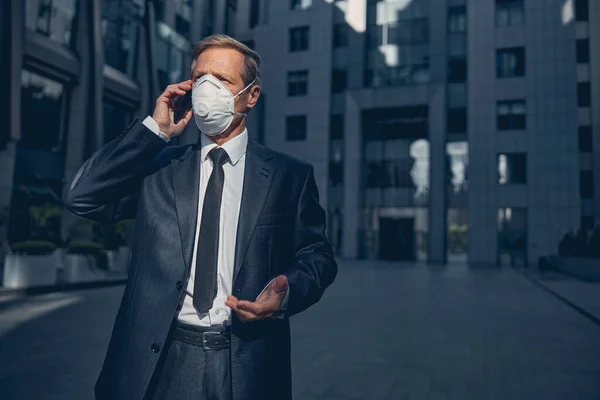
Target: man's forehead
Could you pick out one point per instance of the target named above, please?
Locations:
(221, 61)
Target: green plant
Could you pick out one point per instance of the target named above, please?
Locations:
(123, 228)
(85, 247)
(33, 247)
(458, 238)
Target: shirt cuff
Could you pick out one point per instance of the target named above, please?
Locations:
(151, 124)
(279, 314)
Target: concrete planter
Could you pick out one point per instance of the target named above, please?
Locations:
(583, 268)
(23, 271)
(118, 260)
(81, 268)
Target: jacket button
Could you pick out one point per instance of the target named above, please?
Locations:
(179, 285)
(155, 347)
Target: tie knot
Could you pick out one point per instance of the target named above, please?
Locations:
(218, 155)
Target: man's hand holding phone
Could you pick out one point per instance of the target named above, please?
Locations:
(164, 112)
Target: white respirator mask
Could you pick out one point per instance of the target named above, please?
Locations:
(213, 103)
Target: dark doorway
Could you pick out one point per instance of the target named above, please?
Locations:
(397, 239)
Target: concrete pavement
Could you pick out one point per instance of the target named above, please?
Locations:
(382, 331)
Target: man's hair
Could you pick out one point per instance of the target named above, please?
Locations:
(251, 69)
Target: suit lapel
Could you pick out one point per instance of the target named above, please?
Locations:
(185, 172)
(258, 175)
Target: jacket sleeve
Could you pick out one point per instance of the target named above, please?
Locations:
(315, 267)
(106, 186)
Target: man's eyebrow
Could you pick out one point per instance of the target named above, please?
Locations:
(217, 75)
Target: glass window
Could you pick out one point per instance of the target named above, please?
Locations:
(457, 69)
(583, 51)
(52, 18)
(586, 184)
(510, 62)
(511, 115)
(116, 118)
(339, 80)
(298, 39)
(340, 35)
(171, 50)
(297, 83)
(35, 214)
(457, 120)
(457, 19)
(407, 32)
(401, 75)
(585, 139)
(295, 127)
(512, 236)
(120, 23)
(509, 12)
(336, 173)
(254, 12)
(230, 12)
(42, 105)
(584, 94)
(374, 36)
(457, 154)
(336, 126)
(300, 4)
(512, 168)
(582, 10)
(457, 239)
(208, 18)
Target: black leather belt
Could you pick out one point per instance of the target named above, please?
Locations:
(209, 337)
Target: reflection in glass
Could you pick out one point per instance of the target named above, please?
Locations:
(458, 155)
(116, 118)
(42, 105)
(396, 183)
(120, 26)
(35, 215)
(397, 44)
(458, 235)
(512, 168)
(512, 236)
(52, 18)
(171, 48)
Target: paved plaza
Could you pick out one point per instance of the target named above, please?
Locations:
(383, 331)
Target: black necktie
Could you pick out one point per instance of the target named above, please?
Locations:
(205, 283)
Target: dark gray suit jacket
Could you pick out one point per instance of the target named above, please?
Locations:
(281, 230)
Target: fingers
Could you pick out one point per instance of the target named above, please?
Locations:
(248, 310)
(244, 315)
(185, 120)
(258, 309)
(176, 89)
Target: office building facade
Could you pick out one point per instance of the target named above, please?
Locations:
(439, 130)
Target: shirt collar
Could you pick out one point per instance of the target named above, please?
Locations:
(235, 147)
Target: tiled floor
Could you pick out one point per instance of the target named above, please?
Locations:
(382, 331)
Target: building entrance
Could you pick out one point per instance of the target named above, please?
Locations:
(397, 239)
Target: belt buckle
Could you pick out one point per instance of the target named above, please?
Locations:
(217, 338)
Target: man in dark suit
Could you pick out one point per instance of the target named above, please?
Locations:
(229, 243)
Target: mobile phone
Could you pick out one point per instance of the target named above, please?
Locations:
(181, 105)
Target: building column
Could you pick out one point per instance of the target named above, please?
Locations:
(437, 176)
(352, 177)
(437, 134)
(14, 10)
(79, 106)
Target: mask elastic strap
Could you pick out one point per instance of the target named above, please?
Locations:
(244, 89)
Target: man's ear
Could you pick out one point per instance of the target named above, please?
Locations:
(253, 95)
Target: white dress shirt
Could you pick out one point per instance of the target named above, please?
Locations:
(231, 200)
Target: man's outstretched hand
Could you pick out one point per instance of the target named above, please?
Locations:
(265, 305)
